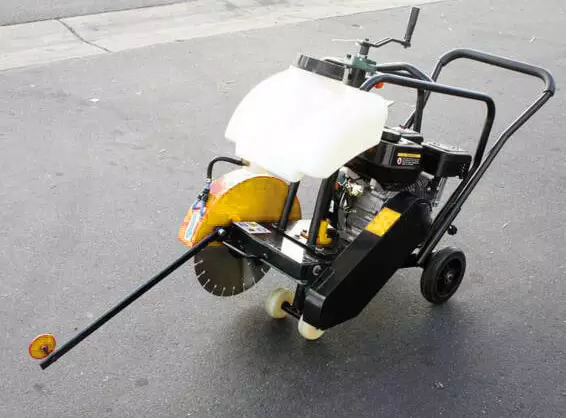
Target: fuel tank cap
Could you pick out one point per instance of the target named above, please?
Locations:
(320, 67)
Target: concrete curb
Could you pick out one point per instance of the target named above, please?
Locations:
(40, 43)
(54, 40)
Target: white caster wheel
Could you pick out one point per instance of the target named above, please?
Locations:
(308, 331)
(274, 303)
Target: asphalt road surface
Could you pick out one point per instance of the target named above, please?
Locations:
(100, 158)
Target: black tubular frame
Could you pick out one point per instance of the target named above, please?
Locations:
(394, 67)
(397, 68)
(434, 87)
(454, 204)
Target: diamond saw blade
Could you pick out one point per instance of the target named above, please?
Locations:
(223, 273)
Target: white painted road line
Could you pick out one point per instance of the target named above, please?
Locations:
(47, 41)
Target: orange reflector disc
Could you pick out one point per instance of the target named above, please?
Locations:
(379, 85)
(42, 346)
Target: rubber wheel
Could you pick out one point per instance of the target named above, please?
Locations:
(442, 275)
(274, 303)
(309, 332)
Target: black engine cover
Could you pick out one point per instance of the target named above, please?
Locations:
(394, 164)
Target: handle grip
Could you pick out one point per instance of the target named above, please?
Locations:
(411, 26)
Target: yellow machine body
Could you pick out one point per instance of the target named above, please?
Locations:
(238, 196)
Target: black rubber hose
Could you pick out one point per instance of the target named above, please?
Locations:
(234, 161)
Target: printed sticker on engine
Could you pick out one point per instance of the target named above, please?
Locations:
(405, 159)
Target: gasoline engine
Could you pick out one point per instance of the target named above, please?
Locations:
(401, 162)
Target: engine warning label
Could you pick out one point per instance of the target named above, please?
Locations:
(407, 159)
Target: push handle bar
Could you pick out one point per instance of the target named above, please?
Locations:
(429, 86)
(497, 61)
(490, 59)
(425, 88)
(452, 207)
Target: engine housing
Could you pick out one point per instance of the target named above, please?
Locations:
(358, 200)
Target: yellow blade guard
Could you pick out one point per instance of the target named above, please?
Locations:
(238, 196)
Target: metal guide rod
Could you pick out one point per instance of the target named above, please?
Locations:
(69, 345)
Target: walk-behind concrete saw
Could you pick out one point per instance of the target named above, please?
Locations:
(375, 211)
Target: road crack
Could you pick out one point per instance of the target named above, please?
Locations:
(80, 38)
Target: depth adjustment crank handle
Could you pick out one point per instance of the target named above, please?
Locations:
(411, 26)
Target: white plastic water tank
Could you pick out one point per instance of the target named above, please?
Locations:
(298, 123)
